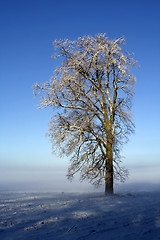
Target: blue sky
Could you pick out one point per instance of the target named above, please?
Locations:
(28, 28)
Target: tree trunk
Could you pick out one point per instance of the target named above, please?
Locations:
(109, 170)
(109, 181)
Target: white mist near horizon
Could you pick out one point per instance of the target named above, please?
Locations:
(54, 179)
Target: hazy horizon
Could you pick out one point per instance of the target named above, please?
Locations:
(54, 179)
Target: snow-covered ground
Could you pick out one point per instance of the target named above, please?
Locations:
(48, 216)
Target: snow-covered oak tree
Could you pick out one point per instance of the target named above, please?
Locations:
(91, 95)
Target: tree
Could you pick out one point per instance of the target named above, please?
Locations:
(91, 94)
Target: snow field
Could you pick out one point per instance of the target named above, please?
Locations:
(79, 216)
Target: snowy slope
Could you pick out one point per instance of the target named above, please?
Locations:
(79, 216)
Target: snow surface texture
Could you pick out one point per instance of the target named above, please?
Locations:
(79, 216)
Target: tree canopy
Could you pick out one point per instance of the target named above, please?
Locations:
(91, 94)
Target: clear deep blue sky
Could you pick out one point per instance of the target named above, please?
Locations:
(27, 29)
